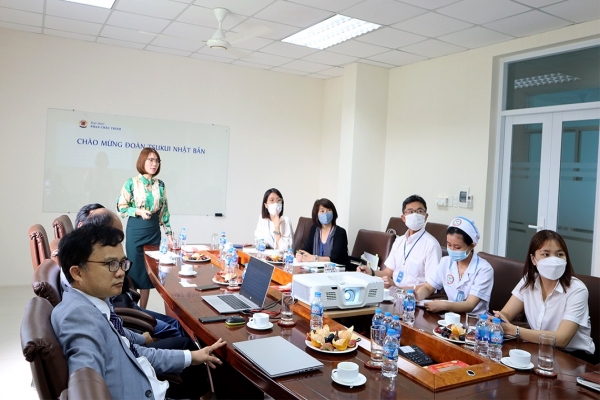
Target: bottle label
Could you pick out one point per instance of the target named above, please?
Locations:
(497, 339)
(390, 352)
(317, 310)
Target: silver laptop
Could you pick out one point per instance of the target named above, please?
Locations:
(252, 294)
(289, 360)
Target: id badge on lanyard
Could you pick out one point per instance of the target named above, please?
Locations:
(460, 296)
(400, 276)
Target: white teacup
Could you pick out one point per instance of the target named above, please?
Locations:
(187, 269)
(165, 259)
(260, 320)
(519, 358)
(452, 318)
(386, 294)
(346, 372)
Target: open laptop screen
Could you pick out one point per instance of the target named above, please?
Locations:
(257, 281)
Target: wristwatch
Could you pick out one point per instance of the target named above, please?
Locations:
(276, 233)
(518, 333)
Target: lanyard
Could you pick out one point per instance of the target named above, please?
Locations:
(412, 247)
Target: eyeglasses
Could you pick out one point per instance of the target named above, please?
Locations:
(278, 201)
(113, 266)
(153, 160)
(419, 211)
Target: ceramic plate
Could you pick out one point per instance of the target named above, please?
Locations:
(506, 361)
(449, 340)
(360, 380)
(196, 261)
(335, 351)
(251, 325)
(188, 274)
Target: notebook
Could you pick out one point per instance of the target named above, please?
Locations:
(277, 357)
(252, 294)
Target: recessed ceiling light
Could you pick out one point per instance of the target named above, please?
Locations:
(542, 80)
(95, 3)
(330, 32)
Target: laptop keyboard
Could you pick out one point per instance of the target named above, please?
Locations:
(234, 302)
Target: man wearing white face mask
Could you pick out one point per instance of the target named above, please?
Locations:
(414, 255)
(275, 228)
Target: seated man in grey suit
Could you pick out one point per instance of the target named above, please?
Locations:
(90, 334)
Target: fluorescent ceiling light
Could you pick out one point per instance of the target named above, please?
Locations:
(330, 32)
(95, 3)
(542, 80)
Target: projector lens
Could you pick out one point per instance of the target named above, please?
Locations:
(349, 295)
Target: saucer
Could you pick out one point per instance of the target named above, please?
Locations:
(188, 274)
(389, 299)
(360, 380)
(506, 361)
(443, 322)
(251, 325)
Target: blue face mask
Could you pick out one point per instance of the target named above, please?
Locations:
(457, 255)
(326, 217)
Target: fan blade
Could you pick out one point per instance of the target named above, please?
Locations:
(258, 30)
(237, 52)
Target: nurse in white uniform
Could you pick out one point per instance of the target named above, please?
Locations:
(467, 278)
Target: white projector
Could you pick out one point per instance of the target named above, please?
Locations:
(339, 289)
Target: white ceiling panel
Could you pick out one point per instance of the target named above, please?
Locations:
(153, 8)
(335, 71)
(288, 50)
(575, 10)
(293, 14)
(384, 12)
(206, 17)
(243, 63)
(289, 71)
(433, 48)
(243, 7)
(475, 37)
(432, 25)
(329, 5)
(251, 43)
(527, 24)
(20, 17)
(71, 25)
(137, 22)
(19, 27)
(224, 53)
(36, 6)
(390, 37)
(397, 58)
(376, 63)
(168, 51)
(329, 58)
(212, 58)
(69, 35)
(306, 66)
(357, 49)
(482, 11)
(79, 12)
(267, 59)
(176, 43)
(267, 29)
(317, 76)
(539, 3)
(128, 35)
(429, 4)
(120, 43)
(189, 31)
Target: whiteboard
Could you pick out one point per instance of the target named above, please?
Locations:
(89, 156)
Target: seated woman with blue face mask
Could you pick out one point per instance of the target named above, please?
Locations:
(554, 300)
(467, 278)
(325, 241)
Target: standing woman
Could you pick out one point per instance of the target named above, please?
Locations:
(275, 228)
(144, 200)
(325, 241)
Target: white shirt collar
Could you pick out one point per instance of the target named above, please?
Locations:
(414, 236)
(99, 304)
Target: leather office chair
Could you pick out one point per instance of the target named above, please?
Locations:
(374, 242)
(38, 245)
(41, 348)
(396, 226)
(302, 229)
(84, 384)
(62, 225)
(593, 285)
(438, 231)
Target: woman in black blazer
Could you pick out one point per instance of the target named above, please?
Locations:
(325, 241)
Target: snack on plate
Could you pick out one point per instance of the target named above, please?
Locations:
(326, 340)
(452, 332)
(275, 258)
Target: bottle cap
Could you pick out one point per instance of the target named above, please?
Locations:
(388, 314)
(483, 316)
(396, 317)
(318, 294)
(378, 311)
(496, 320)
(391, 332)
(411, 291)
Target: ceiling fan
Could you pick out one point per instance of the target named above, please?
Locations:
(219, 41)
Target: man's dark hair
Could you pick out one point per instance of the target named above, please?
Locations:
(76, 247)
(99, 218)
(412, 199)
(84, 213)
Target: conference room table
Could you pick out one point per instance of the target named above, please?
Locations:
(186, 304)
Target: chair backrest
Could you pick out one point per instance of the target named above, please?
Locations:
(507, 274)
(54, 250)
(46, 282)
(397, 225)
(593, 285)
(62, 225)
(84, 384)
(301, 232)
(38, 245)
(374, 242)
(438, 231)
(41, 348)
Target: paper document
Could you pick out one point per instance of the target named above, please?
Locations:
(372, 261)
(156, 254)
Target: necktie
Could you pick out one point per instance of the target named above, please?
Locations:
(118, 324)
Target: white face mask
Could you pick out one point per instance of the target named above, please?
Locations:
(551, 268)
(274, 208)
(415, 222)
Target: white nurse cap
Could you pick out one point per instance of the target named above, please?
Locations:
(467, 226)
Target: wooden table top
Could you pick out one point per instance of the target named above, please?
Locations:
(188, 305)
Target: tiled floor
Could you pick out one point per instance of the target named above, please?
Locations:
(15, 373)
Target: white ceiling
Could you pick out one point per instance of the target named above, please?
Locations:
(412, 31)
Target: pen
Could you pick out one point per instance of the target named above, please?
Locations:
(492, 315)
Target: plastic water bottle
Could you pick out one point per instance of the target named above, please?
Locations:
(377, 318)
(390, 355)
(397, 326)
(164, 247)
(482, 336)
(231, 264)
(409, 308)
(316, 312)
(183, 237)
(496, 339)
(222, 242)
(260, 249)
(289, 260)
(387, 319)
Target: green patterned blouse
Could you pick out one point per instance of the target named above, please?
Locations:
(141, 193)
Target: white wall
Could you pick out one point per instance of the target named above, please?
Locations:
(271, 115)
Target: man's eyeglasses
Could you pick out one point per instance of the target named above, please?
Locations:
(419, 211)
(113, 266)
(153, 160)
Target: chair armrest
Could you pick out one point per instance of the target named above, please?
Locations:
(137, 325)
(86, 383)
(133, 313)
(172, 378)
(135, 296)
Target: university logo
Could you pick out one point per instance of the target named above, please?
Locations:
(83, 123)
(449, 279)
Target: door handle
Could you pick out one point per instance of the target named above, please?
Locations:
(535, 227)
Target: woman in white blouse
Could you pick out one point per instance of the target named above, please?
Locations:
(275, 228)
(554, 300)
